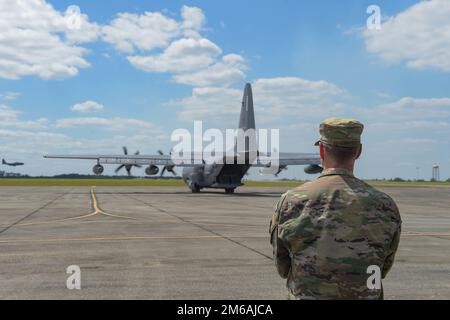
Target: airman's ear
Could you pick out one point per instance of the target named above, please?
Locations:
(358, 154)
(322, 151)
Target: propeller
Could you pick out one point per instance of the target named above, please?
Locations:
(128, 167)
(169, 168)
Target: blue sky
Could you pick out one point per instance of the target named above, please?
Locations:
(144, 68)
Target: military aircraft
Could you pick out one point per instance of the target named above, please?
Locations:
(224, 174)
(12, 164)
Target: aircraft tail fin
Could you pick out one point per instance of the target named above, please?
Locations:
(3, 161)
(246, 122)
(247, 117)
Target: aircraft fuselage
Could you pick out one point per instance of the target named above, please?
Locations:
(12, 164)
(222, 176)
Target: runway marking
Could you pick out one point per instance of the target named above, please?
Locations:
(424, 234)
(185, 237)
(33, 212)
(205, 229)
(125, 238)
(96, 211)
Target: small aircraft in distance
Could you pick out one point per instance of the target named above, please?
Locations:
(219, 174)
(12, 164)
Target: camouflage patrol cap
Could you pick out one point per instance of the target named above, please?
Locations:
(341, 132)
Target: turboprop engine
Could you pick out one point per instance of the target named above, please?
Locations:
(151, 170)
(98, 169)
(313, 169)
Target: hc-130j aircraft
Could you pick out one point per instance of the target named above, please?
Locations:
(223, 174)
(12, 164)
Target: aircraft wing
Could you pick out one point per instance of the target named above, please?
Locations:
(286, 159)
(299, 158)
(162, 160)
(263, 160)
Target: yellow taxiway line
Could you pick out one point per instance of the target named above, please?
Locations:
(96, 211)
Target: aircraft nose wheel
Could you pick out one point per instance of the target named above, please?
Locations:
(229, 190)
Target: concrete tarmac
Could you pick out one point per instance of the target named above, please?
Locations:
(166, 243)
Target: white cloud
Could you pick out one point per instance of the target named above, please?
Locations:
(418, 36)
(28, 134)
(192, 58)
(274, 98)
(144, 32)
(218, 104)
(292, 96)
(86, 31)
(36, 41)
(115, 124)
(7, 113)
(129, 32)
(295, 85)
(87, 106)
(182, 55)
(30, 146)
(29, 52)
(224, 73)
(9, 95)
(10, 118)
(412, 127)
(405, 125)
(193, 18)
(408, 108)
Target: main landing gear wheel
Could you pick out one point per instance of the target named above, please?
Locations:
(229, 190)
(195, 188)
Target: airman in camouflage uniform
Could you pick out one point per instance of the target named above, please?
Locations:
(326, 233)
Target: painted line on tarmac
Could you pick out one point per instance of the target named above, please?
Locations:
(96, 210)
(424, 234)
(122, 238)
(146, 238)
(202, 227)
(16, 223)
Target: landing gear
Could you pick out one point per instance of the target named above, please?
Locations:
(229, 190)
(195, 188)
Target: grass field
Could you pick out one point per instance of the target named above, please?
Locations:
(371, 182)
(91, 182)
(171, 183)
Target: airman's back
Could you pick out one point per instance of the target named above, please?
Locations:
(335, 228)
